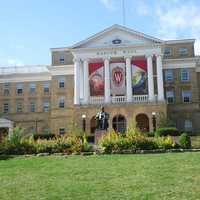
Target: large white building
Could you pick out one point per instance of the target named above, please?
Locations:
(132, 74)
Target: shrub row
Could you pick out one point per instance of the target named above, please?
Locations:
(16, 144)
(113, 142)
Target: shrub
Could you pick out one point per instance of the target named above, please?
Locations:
(15, 144)
(185, 141)
(63, 144)
(125, 144)
(172, 131)
(133, 130)
(86, 147)
(24, 147)
(149, 134)
(16, 136)
(47, 136)
(109, 142)
(164, 121)
(114, 142)
(145, 143)
(165, 142)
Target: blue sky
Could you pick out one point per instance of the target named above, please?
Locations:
(28, 28)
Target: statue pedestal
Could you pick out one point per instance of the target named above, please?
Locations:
(98, 135)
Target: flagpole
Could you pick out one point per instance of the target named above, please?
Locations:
(123, 12)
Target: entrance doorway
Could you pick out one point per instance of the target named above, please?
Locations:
(93, 125)
(3, 132)
(6, 127)
(119, 123)
(142, 122)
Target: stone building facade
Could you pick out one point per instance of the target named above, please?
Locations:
(131, 74)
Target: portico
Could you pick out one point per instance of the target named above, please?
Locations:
(125, 45)
(7, 124)
(82, 91)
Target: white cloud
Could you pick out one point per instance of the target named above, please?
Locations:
(177, 20)
(111, 5)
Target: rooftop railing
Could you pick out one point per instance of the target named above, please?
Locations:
(23, 69)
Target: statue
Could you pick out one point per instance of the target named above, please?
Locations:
(102, 120)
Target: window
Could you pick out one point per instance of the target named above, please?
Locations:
(46, 130)
(6, 89)
(188, 125)
(62, 59)
(6, 108)
(20, 88)
(62, 102)
(119, 123)
(169, 75)
(32, 107)
(183, 51)
(32, 88)
(46, 106)
(62, 131)
(184, 75)
(61, 83)
(32, 129)
(170, 96)
(168, 51)
(186, 96)
(46, 87)
(19, 107)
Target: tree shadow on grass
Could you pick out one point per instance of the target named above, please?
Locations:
(6, 157)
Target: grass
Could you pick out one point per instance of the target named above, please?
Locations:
(173, 176)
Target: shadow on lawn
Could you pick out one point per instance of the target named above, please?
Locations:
(6, 157)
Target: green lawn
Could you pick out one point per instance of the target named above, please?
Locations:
(167, 176)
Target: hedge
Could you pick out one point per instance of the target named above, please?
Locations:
(172, 131)
(46, 136)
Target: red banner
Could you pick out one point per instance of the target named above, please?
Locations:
(96, 79)
(118, 78)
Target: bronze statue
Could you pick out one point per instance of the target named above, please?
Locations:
(102, 118)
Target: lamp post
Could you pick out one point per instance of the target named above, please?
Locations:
(84, 122)
(154, 121)
(36, 125)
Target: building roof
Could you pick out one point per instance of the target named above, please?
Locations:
(27, 69)
(117, 27)
(123, 28)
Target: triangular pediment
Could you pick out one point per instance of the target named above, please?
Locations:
(116, 35)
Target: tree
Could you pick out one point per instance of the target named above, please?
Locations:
(164, 121)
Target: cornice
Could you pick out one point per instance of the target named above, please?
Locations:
(141, 46)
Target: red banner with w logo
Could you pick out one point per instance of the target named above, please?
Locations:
(117, 78)
(96, 79)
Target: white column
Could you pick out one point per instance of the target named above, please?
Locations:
(81, 81)
(150, 78)
(129, 92)
(160, 78)
(86, 81)
(107, 80)
(76, 81)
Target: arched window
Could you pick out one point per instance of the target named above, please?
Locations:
(119, 123)
(142, 122)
